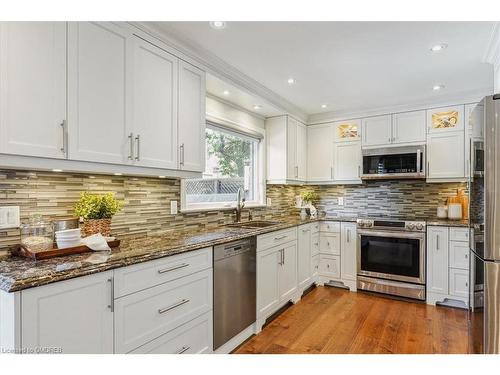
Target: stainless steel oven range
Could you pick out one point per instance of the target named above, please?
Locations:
(391, 257)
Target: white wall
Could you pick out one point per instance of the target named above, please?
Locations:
(492, 56)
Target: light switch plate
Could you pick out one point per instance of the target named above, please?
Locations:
(9, 217)
(341, 201)
(173, 207)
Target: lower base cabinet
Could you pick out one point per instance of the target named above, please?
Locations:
(329, 266)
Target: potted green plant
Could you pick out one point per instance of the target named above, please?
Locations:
(96, 210)
(307, 198)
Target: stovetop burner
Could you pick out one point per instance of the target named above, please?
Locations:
(386, 223)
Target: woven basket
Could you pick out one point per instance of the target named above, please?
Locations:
(94, 226)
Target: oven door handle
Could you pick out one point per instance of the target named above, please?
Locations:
(391, 234)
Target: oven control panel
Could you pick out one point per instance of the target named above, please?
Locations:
(388, 224)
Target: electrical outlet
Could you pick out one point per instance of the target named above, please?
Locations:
(9, 217)
(173, 207)
(269, 201)
(341, 201)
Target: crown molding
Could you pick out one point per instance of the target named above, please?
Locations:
(214, 65)
(465, 97)
(234, 106)
(492, 53)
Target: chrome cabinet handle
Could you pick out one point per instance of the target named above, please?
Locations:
(177, 304)
(111, 306)
(389, 140)
(138, 145)
(182, 350)
(305, 230)
(348, 235)
(279, 237)
(296, 171)
(181, 154)
(173, 268)
(359, 171)
(316, 244)
(437, 241)
(131, 146)
(64, 137)
(283, 252)
(428, 168)
(331, 173)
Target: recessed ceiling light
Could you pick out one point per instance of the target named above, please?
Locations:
(162, 176)
(257, 107)
(437, 87)
(439, 47)
(291, 81)
(217, 25)
(57, 170)
(323, 106)
(225, 92)
(118, 174)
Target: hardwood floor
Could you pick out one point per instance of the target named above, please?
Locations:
(332, 320)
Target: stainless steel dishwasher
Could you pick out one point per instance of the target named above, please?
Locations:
(234, 289)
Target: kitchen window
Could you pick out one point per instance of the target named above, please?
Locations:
(232, 161)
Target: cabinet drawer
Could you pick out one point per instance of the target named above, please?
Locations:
(329, 244)
(459, 234)
(315, 227)
(459, 255)
(148, 274)
(329, 266)
(315, 244)
(459, 282)
(281, 237)
(329, 226)
(143, 316)
(194, 337)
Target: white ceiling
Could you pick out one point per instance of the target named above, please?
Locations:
(350, 66)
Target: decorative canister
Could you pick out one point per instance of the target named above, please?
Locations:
(94, 226)
(442, 212)
(455, 211)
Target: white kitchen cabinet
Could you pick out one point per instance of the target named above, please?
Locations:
(288, 281)
(100, 85)
(459, 255)
(445, 156)
(286, 150)
(376, 131)
(33, 89)
(73, 315)
(437, 260)
(191, 123)
(329, 266)
(154, 132)
(315, 268)
(304, 257)
(459, 282)
(408, 128)
(268, 287)
(348, 250)
(329, 243)
(445, 119)
(347, 162)
(474, 121)
(320, 153)
(347, 130)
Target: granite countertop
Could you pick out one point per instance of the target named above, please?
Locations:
(18, 273)
(447, 222)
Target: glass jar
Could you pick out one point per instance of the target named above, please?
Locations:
(37, 235)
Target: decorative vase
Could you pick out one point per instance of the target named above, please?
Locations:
(303, 213)
(94, 226)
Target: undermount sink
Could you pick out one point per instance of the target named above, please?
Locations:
(255, 224)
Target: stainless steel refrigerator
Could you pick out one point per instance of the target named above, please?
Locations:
(484, 179)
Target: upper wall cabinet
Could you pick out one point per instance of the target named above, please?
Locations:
(320, 153)
(347, 162)
(33, 88)
(376, 131)
(100, 59)
(191, 118)
(408, 128)
(286, 150)
(445, 119)
(347, 131)
(445, 156)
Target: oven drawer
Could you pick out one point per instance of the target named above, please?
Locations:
(329, 266)
(266, 241)
(329, 244)
(329, 226)
(459, 234)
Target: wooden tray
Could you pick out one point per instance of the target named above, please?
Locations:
(55, 252)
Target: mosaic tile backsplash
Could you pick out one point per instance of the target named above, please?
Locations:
(147, 200)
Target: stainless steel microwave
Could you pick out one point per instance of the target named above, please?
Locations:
(406, 162)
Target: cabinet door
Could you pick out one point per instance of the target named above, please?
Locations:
(320, 153)
(348, 251)
(347, 131)
(408, 128)
(445, 119)
(191, 118)
(304, 256)
(459, 255)
(33, 88)
(268, 264)
(459, 282)
(301, 152)
(474, 120)
(73, 315)
(445, 155)
(288, 272)
(291, 149)
(376, 131)
(329, 266)
(347, 162)
(437, 260)
(315, 267)
(315, 243)
(155, 106)
(99, 92)
(329, 244)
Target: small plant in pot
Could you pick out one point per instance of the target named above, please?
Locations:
(307, 198)
(96, 210)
